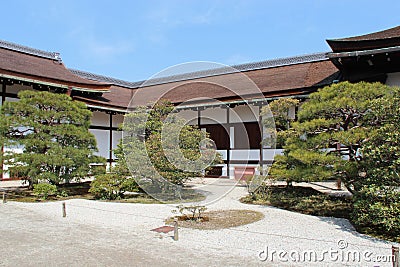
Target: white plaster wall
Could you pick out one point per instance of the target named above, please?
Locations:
(209, 121)
(188, 115)
(269, 154)
(292, 112)
(245, 154)
(6, 174)
(213, 116)
(118, 119)
(103, 140)
(232, 137)
(117, 135)
(393, 79)
(11, 99)
(100, 119)
(223, 153)
(244, 113)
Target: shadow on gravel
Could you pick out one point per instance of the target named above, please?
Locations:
(346, 226)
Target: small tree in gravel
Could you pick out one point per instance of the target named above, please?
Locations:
(195, 211)
(147, 146)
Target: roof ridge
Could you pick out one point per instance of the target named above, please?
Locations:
(271, 63)
(103, 78)
(284, 61)
(30, 50)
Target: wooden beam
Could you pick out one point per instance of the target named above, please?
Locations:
(3, 99)
(111, 138)
(228, 151)
(260, 123)
(69, 91)
(3, 92)
(198, 118)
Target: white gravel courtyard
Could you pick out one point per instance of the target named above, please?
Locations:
(96, 233)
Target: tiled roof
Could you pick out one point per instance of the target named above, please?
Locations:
(281, 62)
(382, 39)
(106, 79)
(272, 82)
(21, 62)
(388, 33)
(277, 77)
(207, 73)
(29, 50)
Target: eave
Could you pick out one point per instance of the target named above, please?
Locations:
(363, 52)
(53, 84)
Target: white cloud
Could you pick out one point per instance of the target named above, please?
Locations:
(164, 17)
(168, 16)
(206, 17)
(236, 59)
(107, 49)
(93, 48)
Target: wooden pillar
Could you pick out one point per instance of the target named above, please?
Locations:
(111, 139)
(339, 181)
(260, 123)
(3, 92)
(64, 210)
(176, 236)
(228, 151)
(395, 256)
(198, 117)
(3, 99)
(69, 91)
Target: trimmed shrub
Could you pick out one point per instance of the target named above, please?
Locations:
(112, 186)
(44, 190)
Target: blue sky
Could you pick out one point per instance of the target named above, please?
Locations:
(132, 40)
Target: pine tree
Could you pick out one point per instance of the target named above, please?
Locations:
(162, 152)
(327, 139)
(52, 132)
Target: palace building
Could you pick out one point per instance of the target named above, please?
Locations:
(219, 100)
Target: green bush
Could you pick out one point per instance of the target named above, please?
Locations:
(44, 190)
(301, 199)
(62, 193)
(112, 186)
(377, 211)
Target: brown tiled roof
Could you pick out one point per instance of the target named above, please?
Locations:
(117, 97)
(286, 76)
(381, 39)
(265, 64)
(388, 33)
(279, 81)
(271, 82)
(19, 61)
(277, 77)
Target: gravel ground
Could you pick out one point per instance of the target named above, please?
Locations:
(98, 233)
